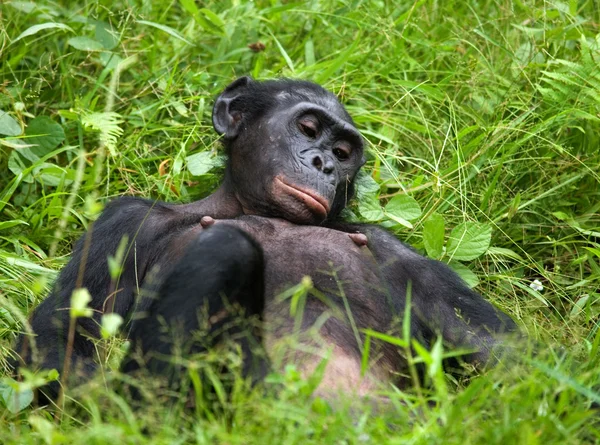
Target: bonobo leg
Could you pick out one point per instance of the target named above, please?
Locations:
(220, 272)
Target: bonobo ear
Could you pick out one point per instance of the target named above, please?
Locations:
(225, 120)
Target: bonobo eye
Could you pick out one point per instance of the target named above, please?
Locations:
(309, 125)
(341, 151)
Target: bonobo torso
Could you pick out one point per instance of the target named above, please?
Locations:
(338, 267)
(348, 295)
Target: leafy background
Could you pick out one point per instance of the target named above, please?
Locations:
(482, 121)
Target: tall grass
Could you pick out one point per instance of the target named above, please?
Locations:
(482, 111)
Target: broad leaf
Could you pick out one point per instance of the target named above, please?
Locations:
(465, 273)
(45, 134)
(37, 28)
(403, 206)
(370, 209)
(111, 323)
(79, 303)
(468, 241)
(106, 35)
(85, 44)
(201, 163)
(433, 235)
(365, 185)
(8, 125)
(16, 400)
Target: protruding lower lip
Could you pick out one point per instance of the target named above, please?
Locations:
(315, 202)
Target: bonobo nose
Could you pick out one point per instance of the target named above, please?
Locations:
(325, 166)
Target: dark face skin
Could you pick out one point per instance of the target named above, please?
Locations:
(296, 161)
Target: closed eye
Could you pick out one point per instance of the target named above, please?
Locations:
(310, 127)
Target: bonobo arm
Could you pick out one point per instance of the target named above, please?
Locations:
(147, 225)
(442, 304)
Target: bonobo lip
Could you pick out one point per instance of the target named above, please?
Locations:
(311, 199)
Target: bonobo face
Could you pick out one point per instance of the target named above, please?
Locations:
(295, 151)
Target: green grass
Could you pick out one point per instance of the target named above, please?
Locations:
(482, 111)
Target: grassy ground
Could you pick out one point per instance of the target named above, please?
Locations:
(486, 112)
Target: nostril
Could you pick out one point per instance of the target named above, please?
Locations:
(317, 162)
(328, 168)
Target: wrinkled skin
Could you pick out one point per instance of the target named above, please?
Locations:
(293, 155)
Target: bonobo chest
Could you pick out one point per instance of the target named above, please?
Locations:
(344, 274)
(336, 264)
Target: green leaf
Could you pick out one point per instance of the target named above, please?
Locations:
(8, 125)
(79, 301)
(37, 28)
(214, 20)
(309, 53)
(468, 241)
(166, 29)
(190, 6)
(399, 220)
(16, 399)
(433, 235)
(561, 215)
(370, 209)
(365, 185)
(85, 44)
(46, 430)
(403, 206)
(107, 123)
(106, 35)
(386, 338)
(465, 273)
(17, 166)
(25, 7)
(201, 163)
(13, 222)
(502, 251)
(111, 323)
(45, 133)
(115, 262)
(284, 54)
(534, 293)
(53, 175)
(207, 19)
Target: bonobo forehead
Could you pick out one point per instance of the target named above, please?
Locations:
(288, 92)
(309, 92)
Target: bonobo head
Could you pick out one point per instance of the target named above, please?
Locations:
(293, 149)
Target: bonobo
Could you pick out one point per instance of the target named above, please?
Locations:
(293, 153)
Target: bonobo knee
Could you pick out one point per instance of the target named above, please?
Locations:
(225, 260)
(229, 244)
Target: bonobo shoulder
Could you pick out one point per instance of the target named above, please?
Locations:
(130, 207)
(131, 204)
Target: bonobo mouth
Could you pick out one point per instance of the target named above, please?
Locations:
(311, 199)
